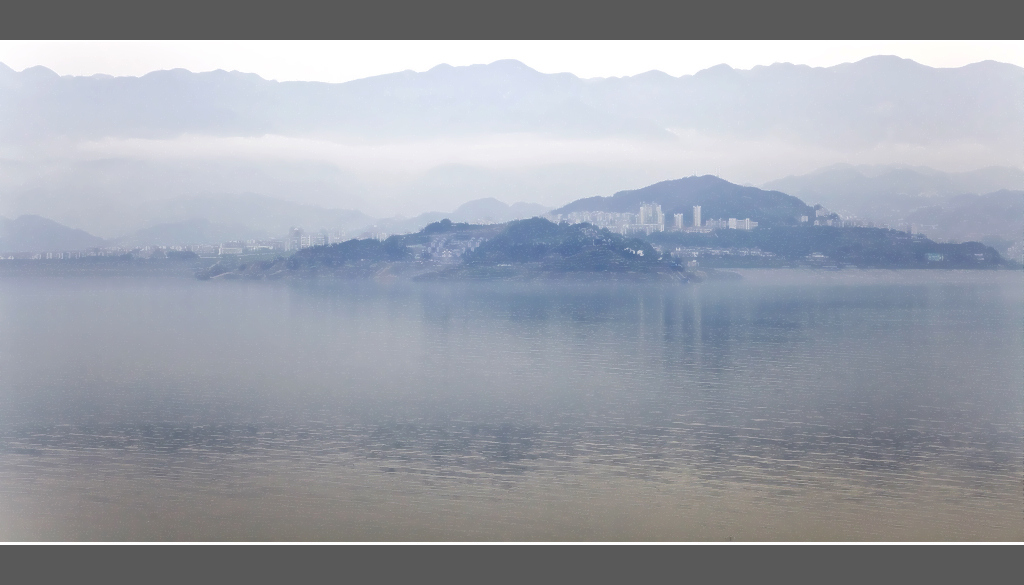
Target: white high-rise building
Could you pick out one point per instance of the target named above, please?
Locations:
(696, 216)
(294, 241)
(679, 221)
(650, 214)
(649, 220)
(732, 223)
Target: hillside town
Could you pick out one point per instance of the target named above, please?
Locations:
(648, 220)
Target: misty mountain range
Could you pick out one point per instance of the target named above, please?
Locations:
(996, 219)
(487, 210)
(985, 205)
(880, 191)
(31, 233)
(879, 99)
(243, 218)
(113, 155)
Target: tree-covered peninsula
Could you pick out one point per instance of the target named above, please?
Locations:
(523, 249)
(540, 249)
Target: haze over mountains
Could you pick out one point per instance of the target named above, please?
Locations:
(30, 233)
(242, 217)
(875, 190)
(996, 219)
(487, 210)
(116, 155)
(984, 205)
(876, 100)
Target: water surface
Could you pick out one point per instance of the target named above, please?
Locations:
(793, 405)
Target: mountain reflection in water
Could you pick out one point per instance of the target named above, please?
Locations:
(792, 405)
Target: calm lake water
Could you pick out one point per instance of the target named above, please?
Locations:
(792, 405)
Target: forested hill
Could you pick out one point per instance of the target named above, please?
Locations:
(536, 247)
(718, 198)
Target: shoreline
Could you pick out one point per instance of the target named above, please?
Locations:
(421, 273)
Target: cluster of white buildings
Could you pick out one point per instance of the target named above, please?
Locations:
(445, 249)
(616, 222)
(250, 247)
(298, 239)
(685, 253)
(825, 217)
(1016, 252)
(732, 224)
(51, 255)
(651, 219)
(144, 252)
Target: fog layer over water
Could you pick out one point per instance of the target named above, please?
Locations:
(789, 406)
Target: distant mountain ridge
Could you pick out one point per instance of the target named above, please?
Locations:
(859, 188)
(31, 233)
(94, 150)
(190, 232)
(241, 218)
(262, 216)
(877, 99)
(486, 210)
(996, 219)
(717, 197)
(985, 205)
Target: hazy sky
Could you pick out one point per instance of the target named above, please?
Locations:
(337, 61)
